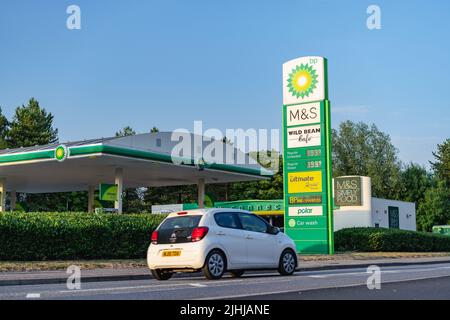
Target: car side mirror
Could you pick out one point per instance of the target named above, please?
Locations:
(274, 230)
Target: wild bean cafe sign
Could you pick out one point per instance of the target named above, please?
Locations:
(308, 216)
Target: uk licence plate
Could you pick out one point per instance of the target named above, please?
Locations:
(171, 253)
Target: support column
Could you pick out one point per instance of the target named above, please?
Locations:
(2, 194)
(201, 193)
(91, 195)
(119, 181)
(13, 200)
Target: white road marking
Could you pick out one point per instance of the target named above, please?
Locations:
(198, 285)
(33, 295)
(121, 288)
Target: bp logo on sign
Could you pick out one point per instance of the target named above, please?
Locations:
(304, 80)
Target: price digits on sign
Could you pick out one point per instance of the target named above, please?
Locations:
(314, 153)
(314, 164)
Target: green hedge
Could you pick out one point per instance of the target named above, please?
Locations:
(389, 240)
(51, 236)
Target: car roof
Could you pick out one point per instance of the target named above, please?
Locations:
(197, 212)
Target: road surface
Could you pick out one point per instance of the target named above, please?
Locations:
(403, 282)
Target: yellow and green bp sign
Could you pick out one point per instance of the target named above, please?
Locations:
(108, 192)
(308, 207)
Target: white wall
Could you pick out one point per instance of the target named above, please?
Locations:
(356, 216)
(167, 208)
(407, 213)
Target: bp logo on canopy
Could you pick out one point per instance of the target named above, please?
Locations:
(61, 153)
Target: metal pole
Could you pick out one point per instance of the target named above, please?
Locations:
(119, 183)
(2, 194)
(91, 195)
(201, 192)
(13, 200)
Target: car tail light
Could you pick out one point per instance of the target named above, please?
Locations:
(182, 213)
(155, 237)
(199, 233)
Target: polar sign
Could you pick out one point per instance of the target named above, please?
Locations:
(308, 216)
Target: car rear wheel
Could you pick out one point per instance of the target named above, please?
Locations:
(161, 275)
(287, 263)
(237, 273)
(214, 267)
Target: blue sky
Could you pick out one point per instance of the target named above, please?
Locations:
(168, 63)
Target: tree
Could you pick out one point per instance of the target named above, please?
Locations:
(435, 208)
(362, 150)
(55, 202)
(154, 130)
(442, 165)
(126, 131)
(133, 200)
(4, 127)
(170, 195)
(415, 180)
(31, 126)
(262, 189)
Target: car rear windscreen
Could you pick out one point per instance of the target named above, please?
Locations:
(180, 222)
(177, 229)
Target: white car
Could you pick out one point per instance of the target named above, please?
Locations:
(218, 240)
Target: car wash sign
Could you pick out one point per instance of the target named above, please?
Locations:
(308, 216)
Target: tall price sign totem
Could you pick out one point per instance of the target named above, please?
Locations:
(308, 216)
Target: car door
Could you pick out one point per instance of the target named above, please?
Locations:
(231, 236)
(262, 247)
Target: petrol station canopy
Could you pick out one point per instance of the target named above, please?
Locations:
(144, 159)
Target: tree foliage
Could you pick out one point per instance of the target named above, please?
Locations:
(366, 151)
(31, 125)
(126, 131)
(441, 165)
(4, 127)
(435, 208)
(415, 180)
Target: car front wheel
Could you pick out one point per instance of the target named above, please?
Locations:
(287, 263)
(161, 275)
(214, 267)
